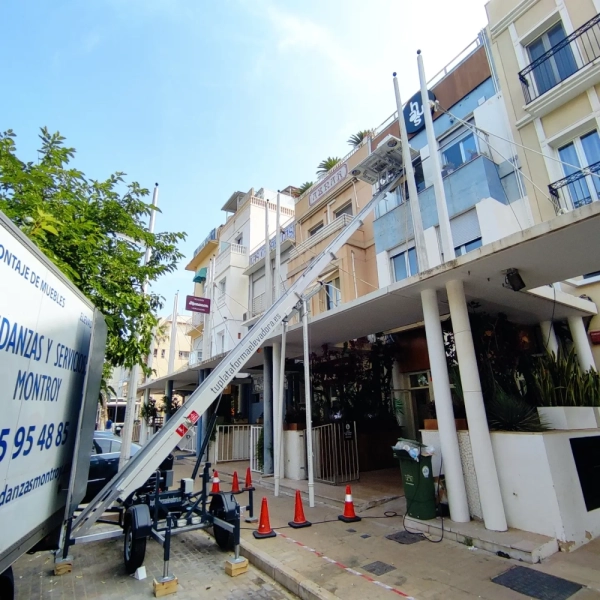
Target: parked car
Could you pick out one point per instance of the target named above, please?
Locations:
(104, 462)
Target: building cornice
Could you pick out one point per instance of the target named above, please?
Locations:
(511, 17)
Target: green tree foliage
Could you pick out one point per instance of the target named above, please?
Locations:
(327, 165)
(305, 186)
(356, 139)
(96, 233)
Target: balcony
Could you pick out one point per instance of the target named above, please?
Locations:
(564, 59)
(577, 189)
(203, 251)
(195, 358)
(255, 260)
(197, 323)
(339, 223)
(231, 255)
(465, 186)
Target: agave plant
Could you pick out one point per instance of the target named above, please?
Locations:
(327, 165)
(357, 138)
(506, 412)
(305, 186)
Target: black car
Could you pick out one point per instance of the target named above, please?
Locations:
(104, 462)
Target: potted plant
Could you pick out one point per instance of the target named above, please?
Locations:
(567, 397)
(295, 419)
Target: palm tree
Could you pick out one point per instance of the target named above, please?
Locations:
(327, 165)
(305, 186)
(357, 138)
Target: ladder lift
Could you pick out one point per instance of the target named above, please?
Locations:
(158, 513)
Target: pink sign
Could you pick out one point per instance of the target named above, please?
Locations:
(196, 304)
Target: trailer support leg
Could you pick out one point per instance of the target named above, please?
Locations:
(237, 565)
(168, 583)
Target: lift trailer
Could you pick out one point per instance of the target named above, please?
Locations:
(163, 513)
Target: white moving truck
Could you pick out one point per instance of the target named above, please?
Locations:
(51, 354)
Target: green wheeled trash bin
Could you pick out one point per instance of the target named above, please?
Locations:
(417, 474)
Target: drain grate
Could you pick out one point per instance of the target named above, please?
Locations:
(379, 568)
(536, 584)
(404, 537)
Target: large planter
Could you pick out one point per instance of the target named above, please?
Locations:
(432, 424)
(570, 417)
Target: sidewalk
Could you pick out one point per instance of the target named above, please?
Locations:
(357, 561)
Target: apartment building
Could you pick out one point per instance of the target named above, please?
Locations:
(321, 212)
(547, 54)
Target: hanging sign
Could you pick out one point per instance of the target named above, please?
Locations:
(413, 113)
(197, 304)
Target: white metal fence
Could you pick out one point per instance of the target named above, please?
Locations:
(335, 453)
(254, 461)
(232, 443)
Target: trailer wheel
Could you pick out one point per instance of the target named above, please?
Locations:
(220, 507)
(7, 585)
(134, 549)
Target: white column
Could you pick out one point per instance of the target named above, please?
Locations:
(582, 344)
(436, 168)
(479, 433)
(455, 483)
(173, 336)
(413, 196)
(276, 419)
(307, 395)
(550, 341)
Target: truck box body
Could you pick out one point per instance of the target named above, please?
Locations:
(46, 331)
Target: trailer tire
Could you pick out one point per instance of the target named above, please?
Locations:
(223, 508)
(7, 585)
(134, 547)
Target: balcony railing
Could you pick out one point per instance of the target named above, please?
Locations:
(195, 357)
(231, 254)
(338, 223)
(577, 50)
(197, 320)
(211, 237)
(577, 189)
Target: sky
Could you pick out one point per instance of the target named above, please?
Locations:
(210, 97)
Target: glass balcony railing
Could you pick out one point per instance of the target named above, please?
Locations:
(562, 60)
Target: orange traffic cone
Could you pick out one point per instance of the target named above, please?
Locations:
(216, 488)
(235, 484)
(299, 518)
(264, 525)
(248, 485)
(349, 515)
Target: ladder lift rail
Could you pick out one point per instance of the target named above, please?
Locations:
(146, 461)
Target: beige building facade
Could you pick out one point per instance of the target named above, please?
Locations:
(547, 56)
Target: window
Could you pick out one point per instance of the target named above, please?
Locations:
(155, 352)
(558, 65)
(315, 229)
(222, 287)
(461, 148)
(184, 354)
(419, 176)
(464, 248)
(405, 264)
(333, 294)
(580, 153)
(345, 210)
(239, 240)
(390, 200)
(162, 353)
(221, 343)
